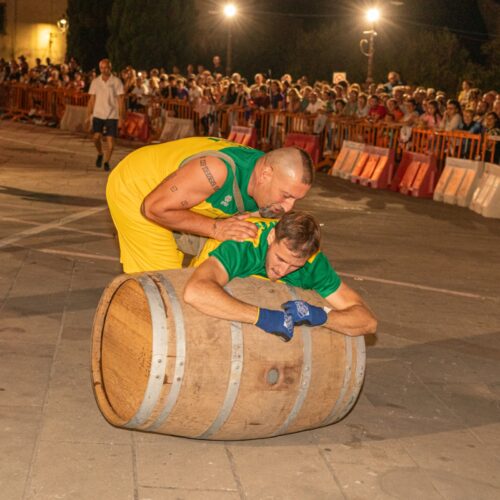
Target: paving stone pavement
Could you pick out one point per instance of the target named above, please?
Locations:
(427, 424)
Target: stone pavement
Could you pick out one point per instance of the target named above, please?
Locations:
(427, 425)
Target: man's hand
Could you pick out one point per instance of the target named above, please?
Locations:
(276, 322)
(234, 228)
(304, 313)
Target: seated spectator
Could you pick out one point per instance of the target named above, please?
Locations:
(432, 116)
(376, 111)
(363, 107)
(394, 112)
(469, 124)
(452, 117)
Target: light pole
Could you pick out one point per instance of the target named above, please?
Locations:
(229, 11)
(372, 16)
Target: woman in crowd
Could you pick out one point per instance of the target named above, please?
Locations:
(452, 117)
(276, 95)
(394, 112)
(293, 101)
(363, 107)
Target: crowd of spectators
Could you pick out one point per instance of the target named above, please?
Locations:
(207, 90)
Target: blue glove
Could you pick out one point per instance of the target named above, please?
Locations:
(304, 313)
(276, 322)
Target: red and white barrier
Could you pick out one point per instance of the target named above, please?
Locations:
(486, 197)
(416, 175)
(458, 181)
(307, 142)
(247, 136)
(374, 167)
(347, 159)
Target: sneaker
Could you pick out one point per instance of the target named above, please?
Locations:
(98, 162)
(106, 166)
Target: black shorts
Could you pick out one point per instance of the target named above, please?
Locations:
(105, 127)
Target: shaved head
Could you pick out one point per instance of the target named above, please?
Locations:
(292, 162)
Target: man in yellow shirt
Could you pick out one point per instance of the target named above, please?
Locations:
(202, 186)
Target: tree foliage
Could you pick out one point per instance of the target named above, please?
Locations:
(150, 33)
(88, 31)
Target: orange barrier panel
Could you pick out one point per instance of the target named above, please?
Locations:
(136, 127)
(378, 169)
(307, 142)
(347, 159)
(243, 135)
(416, 175)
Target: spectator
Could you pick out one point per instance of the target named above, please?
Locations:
(492, 124)
(492, 128)
(315, 104)
(481, 110)
(469, 124)
(351, 108)
(340, 107)
(452, 118)
(432, 116)
(394, 112)
(293, 102)
(393, 79)
(363, 107)
(464, 95)
(217, 68)
(276, 95)
(194, 91)
(376, 111)
(138, 99)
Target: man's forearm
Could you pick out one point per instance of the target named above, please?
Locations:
(211, 299)
(353, 321)
(183, 221)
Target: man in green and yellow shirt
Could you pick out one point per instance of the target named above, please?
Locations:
(286, 250)
(201, 185)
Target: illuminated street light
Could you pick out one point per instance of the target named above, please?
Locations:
(230, 11)
(367, 46)
(373, 15)
(63, 24)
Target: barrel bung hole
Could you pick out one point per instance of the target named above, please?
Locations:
(273, 376)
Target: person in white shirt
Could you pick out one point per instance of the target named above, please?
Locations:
(106, 106)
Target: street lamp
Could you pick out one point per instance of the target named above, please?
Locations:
(230, 11)
(63, 24)
(372, 16)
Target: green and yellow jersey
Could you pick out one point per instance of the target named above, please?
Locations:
(144, 169)
(248, 258)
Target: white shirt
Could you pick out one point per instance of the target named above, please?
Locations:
(106, 97)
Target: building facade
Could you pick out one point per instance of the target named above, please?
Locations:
(30, 28)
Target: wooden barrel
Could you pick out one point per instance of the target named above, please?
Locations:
(159, 365)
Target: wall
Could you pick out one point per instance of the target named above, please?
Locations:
(31, 30)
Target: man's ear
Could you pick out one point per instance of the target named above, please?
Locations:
(271, 237)
(266, 171)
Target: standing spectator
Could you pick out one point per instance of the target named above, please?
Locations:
(106, 107)
(315, 104)
(293, 102)
(217, 68)
(182, 91)
(463, 96)
(492, 128)
(169, 91)
(276, 95)
(138, 95)
(351, 108)
(452, 117)
(393, 79)
(363, 107)
(194, 91)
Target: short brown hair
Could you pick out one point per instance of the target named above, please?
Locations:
(301, 232)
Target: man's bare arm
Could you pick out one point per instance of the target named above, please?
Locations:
(169, 203)
(351, 315)
(205, 292)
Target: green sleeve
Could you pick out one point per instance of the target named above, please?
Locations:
(325, 279)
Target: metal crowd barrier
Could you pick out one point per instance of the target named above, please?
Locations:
(271, 126)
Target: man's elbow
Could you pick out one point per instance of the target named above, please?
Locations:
(371, 325)
(147, 210)
(190, 293)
